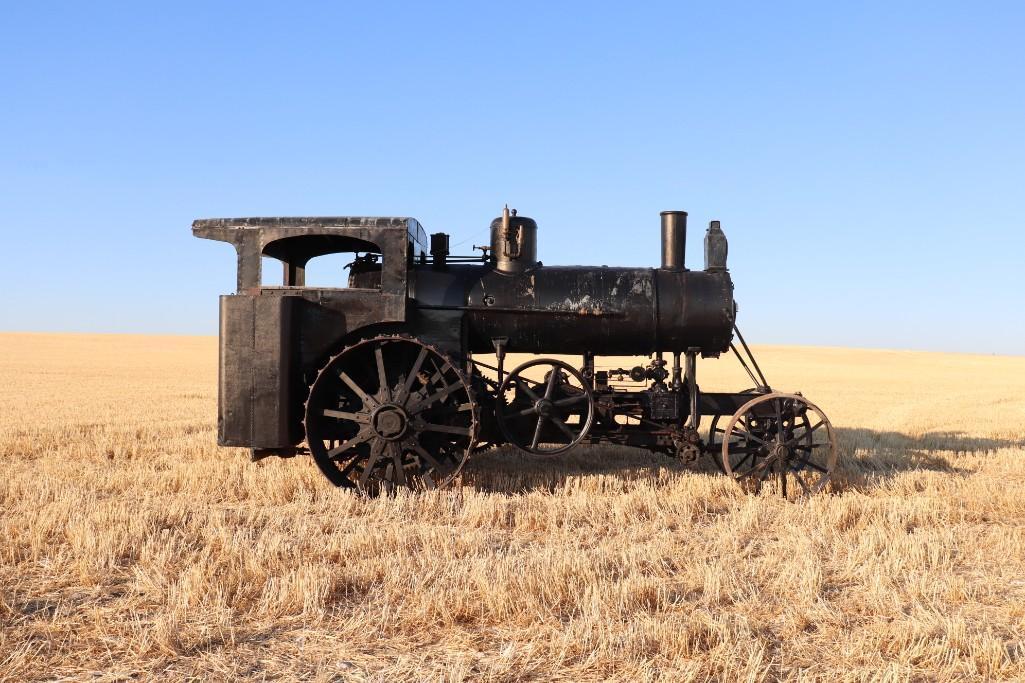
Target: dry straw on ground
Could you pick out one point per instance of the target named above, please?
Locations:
(133, 547)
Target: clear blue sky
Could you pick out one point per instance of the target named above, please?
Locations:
(867, 159)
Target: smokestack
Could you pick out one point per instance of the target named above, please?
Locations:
(674, 239)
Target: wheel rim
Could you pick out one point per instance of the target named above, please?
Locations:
(545, 417)
(715, 436)
(391, 411)
(782, 441)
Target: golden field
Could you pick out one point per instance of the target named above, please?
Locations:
(133, 547)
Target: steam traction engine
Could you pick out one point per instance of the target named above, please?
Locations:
(379, 377)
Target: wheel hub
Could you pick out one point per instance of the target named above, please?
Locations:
(543, 407)
(390, 422)
(781, 451)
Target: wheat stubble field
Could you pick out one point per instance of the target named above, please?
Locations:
(133, 548)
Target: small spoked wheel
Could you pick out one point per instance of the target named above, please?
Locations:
(716, 432)
(782, 441)
(391, 411)
(545, 407)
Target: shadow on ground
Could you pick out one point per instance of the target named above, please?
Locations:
(507, 470)
(866, 458)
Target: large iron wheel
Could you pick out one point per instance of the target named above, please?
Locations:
(391, 411)
(782, 440)
(549, 416)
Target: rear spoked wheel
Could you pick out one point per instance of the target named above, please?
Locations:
(779, 442)
(391, 411)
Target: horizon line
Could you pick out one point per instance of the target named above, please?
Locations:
(760, 345)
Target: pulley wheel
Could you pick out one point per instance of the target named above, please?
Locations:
(547, 416)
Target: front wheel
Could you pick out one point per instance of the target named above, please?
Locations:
(780, 440)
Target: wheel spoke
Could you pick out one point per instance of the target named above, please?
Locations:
(411, 377)
(563, 402)
(438, 373)
(526, 411)
(762, 469)
(445, 429)
(563, 427)
(795, 440)
(809, 463)
(742, 461)
(422, 452)
(800, 480)
(526, 389)
(342, 415)
(537, 431)
(361, 437)
(396, 456)
(783, 481)
(367, 400)
(812, 429)
(717, 462)
(737, 431)
(382, 377)
(553, 377)
(375, 454)
(756, 469)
